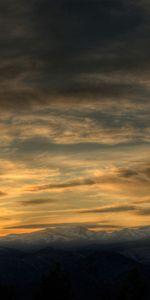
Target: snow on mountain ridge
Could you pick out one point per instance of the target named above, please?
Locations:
(65, 234)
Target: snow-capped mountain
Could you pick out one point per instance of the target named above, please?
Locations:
(74, 234)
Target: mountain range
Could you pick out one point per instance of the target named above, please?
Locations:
(100, 265)
(64, 235)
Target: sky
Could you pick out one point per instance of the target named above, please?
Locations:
(74, 114)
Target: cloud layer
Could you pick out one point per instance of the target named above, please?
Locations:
(77, 50)
(74, 113)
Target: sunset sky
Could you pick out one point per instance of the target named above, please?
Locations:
(74, 114)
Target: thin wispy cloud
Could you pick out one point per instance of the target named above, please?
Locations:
(35, 202)
(112, 209)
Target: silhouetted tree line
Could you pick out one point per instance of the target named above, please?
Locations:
(7, 292)
(134, 287)
(57, 286)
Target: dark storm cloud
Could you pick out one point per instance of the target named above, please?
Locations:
(47, 47)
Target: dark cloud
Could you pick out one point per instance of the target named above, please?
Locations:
(142, 201)
(70, 184)
(34, 145)
(111, 209)
(147, 171)
(127, 173)
(84, 225)
(2, 194)
(141, 171)
(33, 202)
(5, 218)
(119, 176)
(144, 211)
(50, 49)
(67, 52)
